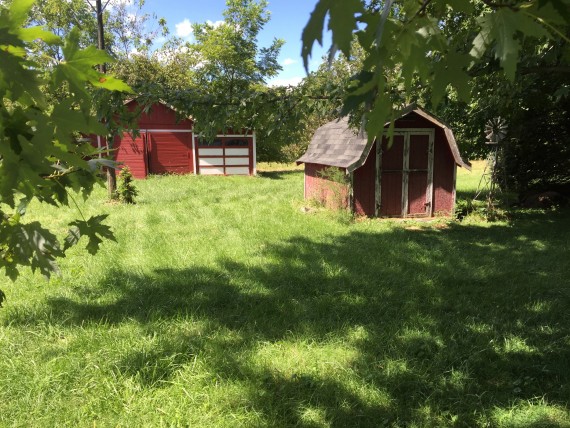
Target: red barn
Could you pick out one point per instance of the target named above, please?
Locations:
(414, 178)
(167, 144)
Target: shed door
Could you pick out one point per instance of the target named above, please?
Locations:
(170, 152)
(405, 174)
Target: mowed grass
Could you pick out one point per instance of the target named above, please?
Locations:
(223, 304)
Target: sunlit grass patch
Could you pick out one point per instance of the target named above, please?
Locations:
(222, 304)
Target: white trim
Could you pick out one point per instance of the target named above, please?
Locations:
(351, 191)
(405, 174)
(420, 131)
(99, 146)
(305, 183)
(454, 190)
(378, 181)
(235, 135)
(429, 196)
(194, 154)
(254, 153)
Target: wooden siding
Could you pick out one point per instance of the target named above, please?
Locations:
(160, 116)
(414, 178)
(364, 186)
(170, 152)
(131, 152)
(443, 176)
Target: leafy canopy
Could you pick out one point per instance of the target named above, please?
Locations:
(41, 155)
(409, 38)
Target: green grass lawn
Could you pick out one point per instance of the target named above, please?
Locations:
(223, 304)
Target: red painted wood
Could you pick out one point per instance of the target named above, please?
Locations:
(419, 152)
(391, 181)
(391, 188)
(417, 180)
(417, 187)
(392, 158)
(131, 152)
(170, 152)
(364, 186)
(391, 196)
(443, 170)
(160, 116)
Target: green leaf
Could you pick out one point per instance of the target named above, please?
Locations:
(29, 245)
(463, 6)
(343, 21)
(502, 27)
(34, 33)
(19, 12)
(78, 67)
(313, 31)
(93, 229)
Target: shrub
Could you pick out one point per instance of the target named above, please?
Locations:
(126, 190)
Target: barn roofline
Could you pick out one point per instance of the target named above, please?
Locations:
(317, 152)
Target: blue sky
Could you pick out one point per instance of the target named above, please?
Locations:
(288, 17)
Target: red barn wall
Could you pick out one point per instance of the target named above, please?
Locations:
(443, 176)
(364, 177)
(364, 186)
(330, 193)
(132, 153)
(160, 116)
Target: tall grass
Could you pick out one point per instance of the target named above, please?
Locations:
(224, 304)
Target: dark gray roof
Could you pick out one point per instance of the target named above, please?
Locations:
(336, 144)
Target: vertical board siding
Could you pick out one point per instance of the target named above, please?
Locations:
(170, 153)
(418, 175)
(391, 197)
(391, 188)
(364, 186)
(417, 185)
(131, 152)
(160, 116)
(443, 168)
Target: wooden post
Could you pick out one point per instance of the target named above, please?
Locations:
(111, 175)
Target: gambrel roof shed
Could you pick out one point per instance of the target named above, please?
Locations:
(414, 177)
(336, 144)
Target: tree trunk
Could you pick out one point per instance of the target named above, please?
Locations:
(111, 176)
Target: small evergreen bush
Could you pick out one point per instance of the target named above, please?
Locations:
(126, 189)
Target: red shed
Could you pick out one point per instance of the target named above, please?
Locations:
(414, 178)
(167, 144)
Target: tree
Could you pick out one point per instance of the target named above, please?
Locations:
(408, 38)
(41, 157)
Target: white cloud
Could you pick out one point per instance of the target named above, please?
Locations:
(215, 24)
(289, 81)
(184, 28)
(288, 61)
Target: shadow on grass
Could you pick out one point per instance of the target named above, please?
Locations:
(278, 174)
(452, 324)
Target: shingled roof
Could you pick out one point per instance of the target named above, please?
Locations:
(336, 144)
